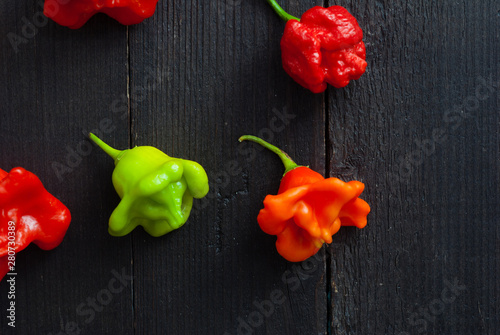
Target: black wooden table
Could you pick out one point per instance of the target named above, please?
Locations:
(420, 129)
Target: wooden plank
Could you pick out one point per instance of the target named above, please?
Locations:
(434, 220)
(221, 77)
(59, 85)
(200, 74)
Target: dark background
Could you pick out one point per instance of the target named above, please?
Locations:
(420, 129)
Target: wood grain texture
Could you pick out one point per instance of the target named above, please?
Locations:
(420, 129)
(434, 200)
(222, 78)
(58, 86)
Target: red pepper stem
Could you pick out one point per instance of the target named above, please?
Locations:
(284, 15)
(287, 161)
(115, 154)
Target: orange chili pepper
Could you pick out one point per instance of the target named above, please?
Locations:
(308, 208)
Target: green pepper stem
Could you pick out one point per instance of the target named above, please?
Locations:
(287, 161)
(284, 15)
(113, 153)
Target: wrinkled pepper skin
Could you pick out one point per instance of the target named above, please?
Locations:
(157, 191)
(75, 13)
(37, 215)
(308, 208)
(325, 46)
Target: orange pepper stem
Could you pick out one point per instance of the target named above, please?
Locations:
(287, 161)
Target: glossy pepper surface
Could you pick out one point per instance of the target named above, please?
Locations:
(323, 46)
(75, 13)
(28, 213)
(308, 208)
(157, 191)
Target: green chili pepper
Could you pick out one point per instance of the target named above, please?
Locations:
(156, 190)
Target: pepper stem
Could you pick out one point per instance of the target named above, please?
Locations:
(284, 15)
(113, 153)
(287, 161)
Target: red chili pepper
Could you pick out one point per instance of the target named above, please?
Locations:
(28, 213)
(308, 208)
(324, 46)
(74, 13)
